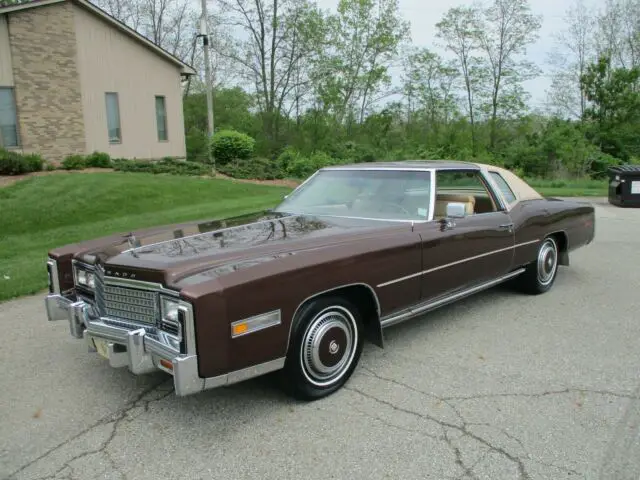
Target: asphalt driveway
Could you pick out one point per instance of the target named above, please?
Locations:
(499, 386)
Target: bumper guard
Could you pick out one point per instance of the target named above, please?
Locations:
(140, 350)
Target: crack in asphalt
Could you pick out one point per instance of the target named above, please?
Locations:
(543, 394)
(113, 418)
(464, 429)
(468, 471)
(416, 390)
(398, 427)
(522, 471)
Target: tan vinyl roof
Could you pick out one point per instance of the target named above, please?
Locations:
(185, 68)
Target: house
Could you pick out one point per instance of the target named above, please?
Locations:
(74, 80)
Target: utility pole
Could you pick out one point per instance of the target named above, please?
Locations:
(204, 33)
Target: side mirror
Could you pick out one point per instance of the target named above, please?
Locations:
(456, 210)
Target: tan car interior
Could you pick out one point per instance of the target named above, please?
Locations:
(473, 204)
(442, 199)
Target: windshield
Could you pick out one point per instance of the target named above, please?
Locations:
(374, 194)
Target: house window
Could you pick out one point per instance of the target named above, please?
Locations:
(161, 118)
(113, 118)
(8, 118)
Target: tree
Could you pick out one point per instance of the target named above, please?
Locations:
(614, 116)
(428, 86)
(458, 31)
(363, 40)
(504, 31)
(281, 34)
(576, 50)
(618, 33)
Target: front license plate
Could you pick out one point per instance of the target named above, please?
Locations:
(101, 347)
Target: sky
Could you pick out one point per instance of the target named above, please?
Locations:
(424, 14)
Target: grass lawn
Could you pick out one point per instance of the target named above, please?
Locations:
(41, 213)
(570, 188)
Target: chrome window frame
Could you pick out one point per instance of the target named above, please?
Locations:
(432, 194)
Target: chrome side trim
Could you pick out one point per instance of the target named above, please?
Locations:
(439, 302)
(258, 322)
(244, 374)
(373, 292)
(457, 262)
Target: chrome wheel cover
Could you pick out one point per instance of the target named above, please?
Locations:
(328, 346)
(547, 262)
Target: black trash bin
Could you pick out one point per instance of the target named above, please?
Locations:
(624, 185)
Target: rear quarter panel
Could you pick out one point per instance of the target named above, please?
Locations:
(537, 219)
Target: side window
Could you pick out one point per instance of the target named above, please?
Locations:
(507, 193)
(462, 186)
(8, 118)
(113, 118)
(161, 118)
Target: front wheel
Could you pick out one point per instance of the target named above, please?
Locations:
(541, 274)
(325, 347)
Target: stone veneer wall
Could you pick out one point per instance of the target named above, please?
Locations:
(47, 86)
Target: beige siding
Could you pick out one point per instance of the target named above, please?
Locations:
(110, 61)
(6, 70)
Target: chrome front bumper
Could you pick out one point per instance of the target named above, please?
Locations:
(140, 350)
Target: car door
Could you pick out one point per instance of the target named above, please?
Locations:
(462, 252)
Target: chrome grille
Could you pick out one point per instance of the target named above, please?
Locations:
(126, 303)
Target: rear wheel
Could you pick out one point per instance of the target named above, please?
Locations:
(541, 274)
(325, 347)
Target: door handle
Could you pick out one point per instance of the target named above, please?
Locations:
(506, 226)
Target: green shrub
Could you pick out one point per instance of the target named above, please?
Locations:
(34, 162)
(302, 167)
(287, 157)
(253, 169)
(98, 160)
(230, 145)
(164, 166)
(14, 163)
(357, 153)
(49, 167)
(74, 162)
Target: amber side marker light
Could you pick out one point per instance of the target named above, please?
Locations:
(166, 364)
(240, 328)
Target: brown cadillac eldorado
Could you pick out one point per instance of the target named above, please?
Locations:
(297, 289)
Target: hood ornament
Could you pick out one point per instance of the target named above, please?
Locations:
(133, 244)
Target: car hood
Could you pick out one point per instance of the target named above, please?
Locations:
(186, 254)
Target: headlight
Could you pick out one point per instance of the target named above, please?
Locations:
(170, 322)
(84, 278)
